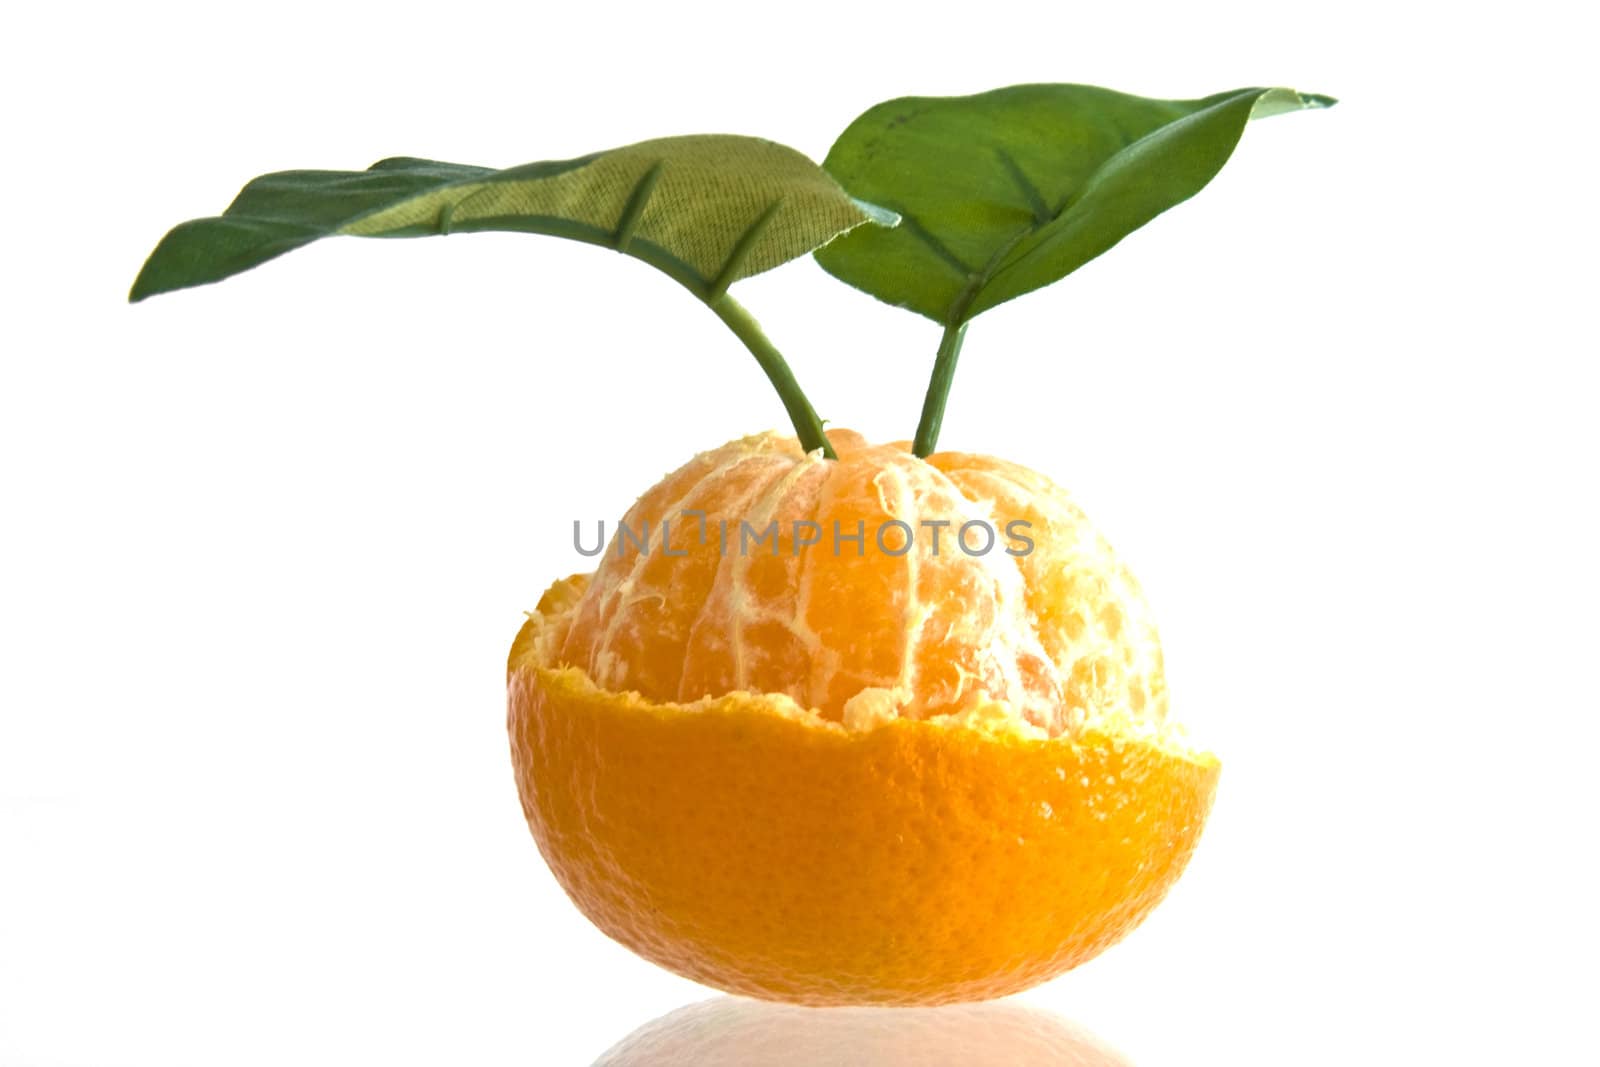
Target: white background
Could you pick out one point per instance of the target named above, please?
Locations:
(265, 543)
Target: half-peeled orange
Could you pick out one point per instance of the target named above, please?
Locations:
(794, 764)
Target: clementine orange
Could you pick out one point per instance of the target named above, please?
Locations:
(873, 730)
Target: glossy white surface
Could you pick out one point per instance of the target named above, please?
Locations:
(729, 1032)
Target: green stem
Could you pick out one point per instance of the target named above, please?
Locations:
(944, 372)
(806, 424)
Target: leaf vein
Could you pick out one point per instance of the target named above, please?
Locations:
(1036, 202)
(638, 200)
(910, 224)
(742, 250)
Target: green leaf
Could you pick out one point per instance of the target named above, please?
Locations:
(1007, 191)
(708, 210)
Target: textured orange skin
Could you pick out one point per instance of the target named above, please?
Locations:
(913, 863)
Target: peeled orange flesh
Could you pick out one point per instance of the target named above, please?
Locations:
(913, 768)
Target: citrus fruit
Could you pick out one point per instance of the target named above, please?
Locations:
(872, 730)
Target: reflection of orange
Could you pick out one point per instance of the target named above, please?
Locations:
(836, 775)
(734, 1032)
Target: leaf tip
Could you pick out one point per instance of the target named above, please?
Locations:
(141, 288)
(1271, 102)
(877, 214)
